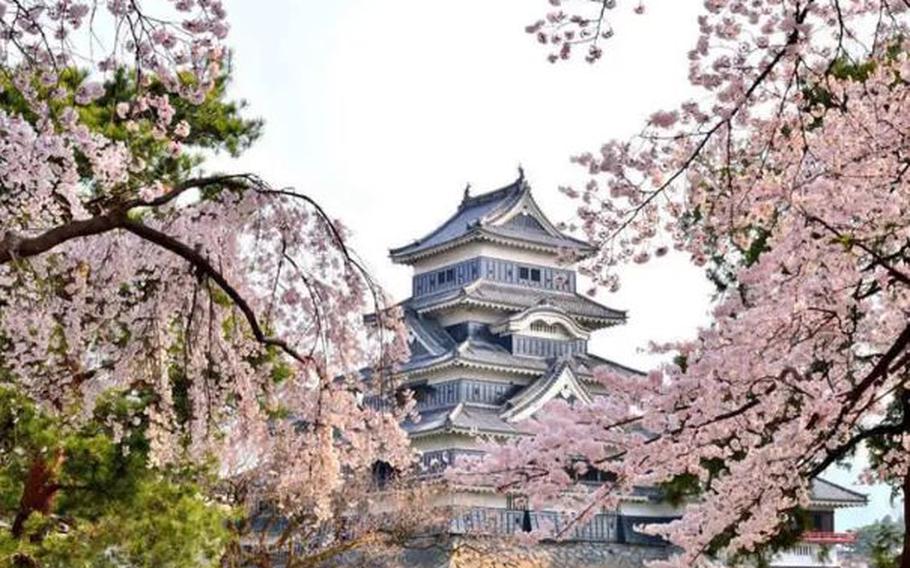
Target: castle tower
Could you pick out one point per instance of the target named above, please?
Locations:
(498, 329)
(497, 325)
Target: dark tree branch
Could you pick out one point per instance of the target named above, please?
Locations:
(201, 263)
(14, 246)
(234, 181)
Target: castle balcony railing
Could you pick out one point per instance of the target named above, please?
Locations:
(807, 555)
(827, 537)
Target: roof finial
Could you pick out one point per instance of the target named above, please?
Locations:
(467, 192)
(521, 172)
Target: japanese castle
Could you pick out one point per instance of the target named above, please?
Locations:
(497, 329)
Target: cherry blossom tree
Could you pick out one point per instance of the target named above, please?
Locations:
(235, 306)
(787, 180)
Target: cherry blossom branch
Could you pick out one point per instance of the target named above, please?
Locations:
(202, 264)
(14, 247)
(877, 259)
(846, 448)
(234, 181)
(792, 39)
(795, 197)
(104, 257)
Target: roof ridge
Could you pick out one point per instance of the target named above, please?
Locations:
(453, 414)
(605, 361)
(479, 199)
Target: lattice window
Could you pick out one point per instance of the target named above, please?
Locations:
(541, 326)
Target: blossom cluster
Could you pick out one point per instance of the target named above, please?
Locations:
(236, 305)
(573, 23)
(787, 181)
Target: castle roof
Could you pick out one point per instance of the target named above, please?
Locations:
(559, 380)
(434, 348)
(508, 215)
(485, 371)
(465, 419)
(515, 299)
(829, 493)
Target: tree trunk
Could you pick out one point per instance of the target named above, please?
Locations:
(24, 561)
(39, 491)
(905, 554)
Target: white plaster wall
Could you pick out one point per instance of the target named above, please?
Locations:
(458, 315)
(472, 499)
(444, 442)
(649, 509)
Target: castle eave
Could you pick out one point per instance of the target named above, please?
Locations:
(578, 250)
(469, 364)
(514, 299)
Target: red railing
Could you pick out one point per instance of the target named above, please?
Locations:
(823, 537)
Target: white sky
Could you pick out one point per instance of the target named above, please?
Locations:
(383, 110)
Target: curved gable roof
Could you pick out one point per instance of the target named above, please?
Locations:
(559, 380)
(477, 217)
(546, 310)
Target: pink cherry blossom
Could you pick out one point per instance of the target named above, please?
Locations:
(788, 179)
(114, 278)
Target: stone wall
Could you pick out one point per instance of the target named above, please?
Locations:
(487, 553)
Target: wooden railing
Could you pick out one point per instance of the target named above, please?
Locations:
(826, 537)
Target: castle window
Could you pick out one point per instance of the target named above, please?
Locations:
(422, 393)
(383, 474)
(444, 276)
(516, 502)
(544, 327)
(523, 272)
(535, 275)
(822, 521)
(593, 475)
